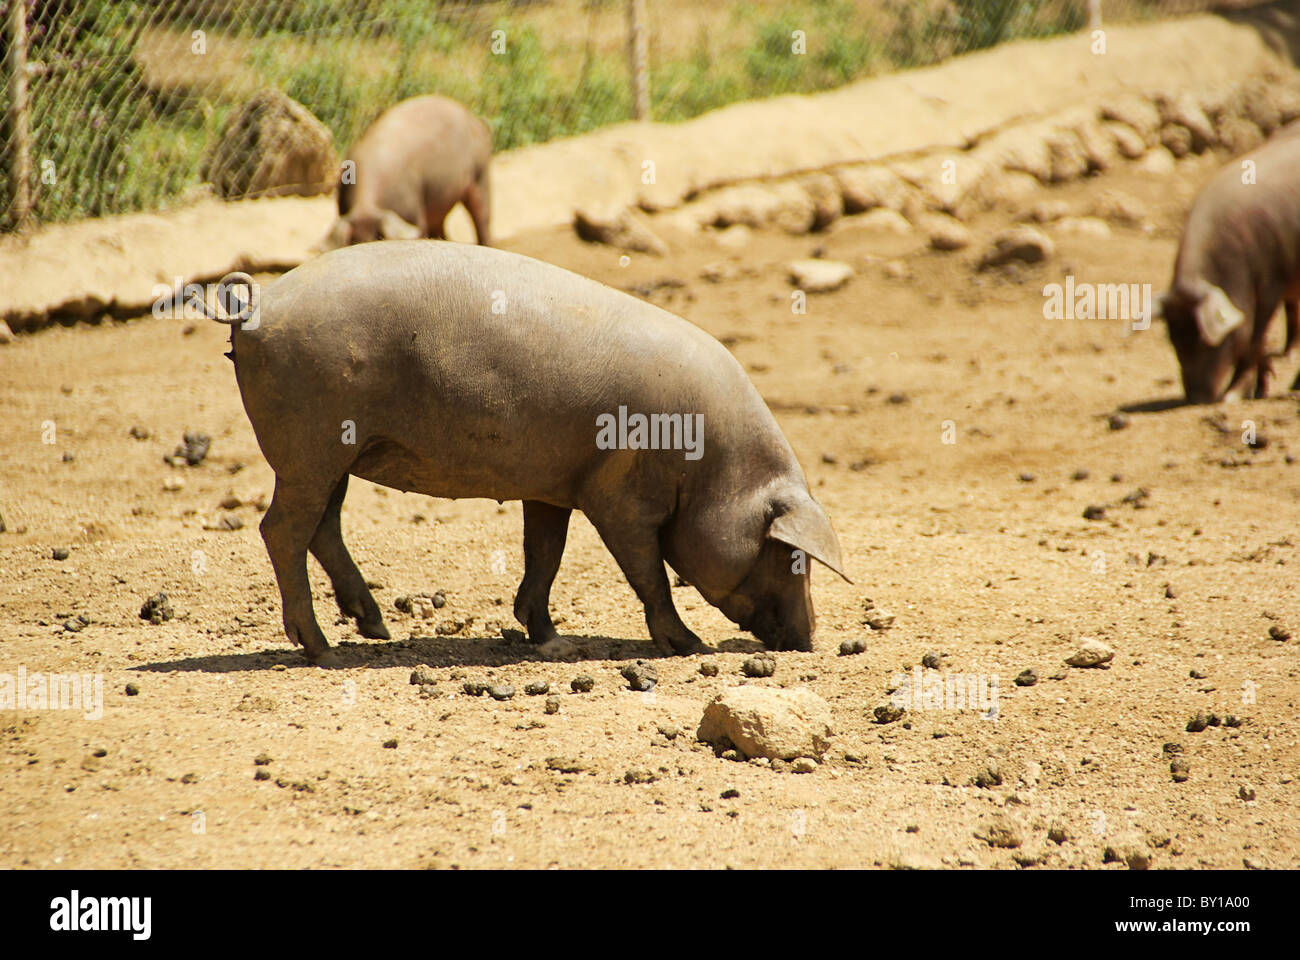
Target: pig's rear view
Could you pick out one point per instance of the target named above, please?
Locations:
(459, 371)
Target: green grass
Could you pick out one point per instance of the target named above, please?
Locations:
(120, 148)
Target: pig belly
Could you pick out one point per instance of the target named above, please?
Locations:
(502, 475)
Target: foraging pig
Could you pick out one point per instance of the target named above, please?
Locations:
(1238, 258)
(462, 371)
(411, 166)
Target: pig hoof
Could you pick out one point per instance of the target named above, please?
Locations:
(373, 630)
(557, 648)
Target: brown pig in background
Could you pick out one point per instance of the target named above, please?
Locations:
(1238, 259)
(411, 166)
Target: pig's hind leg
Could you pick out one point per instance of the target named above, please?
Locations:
(354, 597)
(546, 528)
(288, 528)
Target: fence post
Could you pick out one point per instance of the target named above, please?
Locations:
(1094, 14)
(636, 49)
(19, 156)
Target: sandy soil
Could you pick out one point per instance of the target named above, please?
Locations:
(979, 547)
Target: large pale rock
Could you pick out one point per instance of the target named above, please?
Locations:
(1023, 243)
(824, 192)
(761, 722)
(1091, 653)
(819, 276)
(1128, 141)
(271, 147)
(617, 228)
(866, 187)
(1137, 112)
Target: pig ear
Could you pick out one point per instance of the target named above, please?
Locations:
(802, 523)
(1217, 316)
(393, 227)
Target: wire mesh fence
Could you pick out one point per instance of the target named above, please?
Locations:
(112, 106)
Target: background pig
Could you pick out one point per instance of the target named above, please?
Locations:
(472, 372)
(412, 165)
(1238, 258)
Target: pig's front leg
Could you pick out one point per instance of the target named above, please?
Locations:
(545, 529)
(634, 542)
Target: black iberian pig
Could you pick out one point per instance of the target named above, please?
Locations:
(412, 165)
(1239, 257)
(461, 371)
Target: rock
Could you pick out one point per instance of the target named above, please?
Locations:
(803, 765)
(759, 665)
(6, 335)
(735, 237)
(1066, 158)
(1024, 149)
(1000, 831)
(194, 449)
(1137, 113)
(1246, 792)
(1200, 721)
(763, 722)
(501, 691)
(819, 276)
(1239, 135)
(946, 233)
(708, 669)
(582, 684)
(59, 553)
(157, 609)
(865, 188)
(784, 205)
(272, 146)
(1179, 770)
(640, 676)
(824, 192)
(888, 713)
(1019, 243)
(622, 229)
(884, 221)
(1118, 421)
(932, 659)
(1117, 207)
(670, 730)
(537, 688)
(1091, 653)
(1094, 511)
(877, 618)
(1099, 147)
(474, 688)
(1177, 139)
(403, 603)
(552, 705)
(1048, 211)
(423, 674)
(854, 646)
(1158, 162)
(1056, 833)
(1026, 678)
(1005, 189)
(132, 690)
(1185, 111)
(1093, 227)
(639, 776)
(1128, 142)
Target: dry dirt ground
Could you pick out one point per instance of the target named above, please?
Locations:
(979, 547)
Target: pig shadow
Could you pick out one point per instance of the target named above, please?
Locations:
(434, 652)
(1154, 406)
